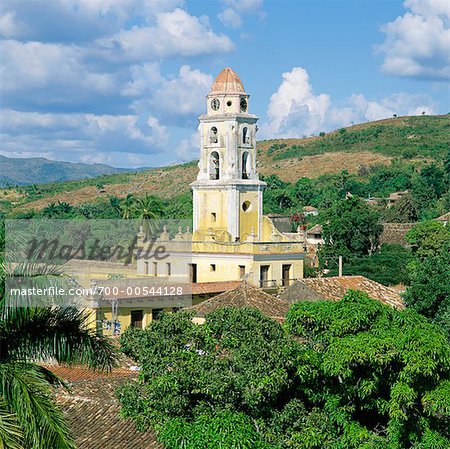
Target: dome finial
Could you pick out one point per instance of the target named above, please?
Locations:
(228, 82)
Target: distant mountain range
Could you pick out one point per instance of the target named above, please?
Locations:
(16, 171)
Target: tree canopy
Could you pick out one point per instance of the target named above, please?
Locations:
(352, 374)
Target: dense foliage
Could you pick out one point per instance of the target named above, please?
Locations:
(388, 266)
(429, 292)
(352, 374)
(350, 228)
(429, 194)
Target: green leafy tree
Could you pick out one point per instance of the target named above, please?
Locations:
(388, 266)
(423, 194)
(429, 292)
(352, 374)
(403, 211)
(428, 238)
(375, 371)
(239, 361)
(350, 228)
(127, 206)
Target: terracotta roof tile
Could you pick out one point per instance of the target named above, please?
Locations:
(244, 295)
(334, 288)
(394, 233)
(228, 81)
(92, 410)
(214, 287)
(316, 229)
(445, 217)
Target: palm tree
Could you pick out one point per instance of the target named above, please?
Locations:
(147, 208)
(127, 206)
(29, 419)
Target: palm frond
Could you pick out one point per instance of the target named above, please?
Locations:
(60, 334)
(11, 435)
(28, 395)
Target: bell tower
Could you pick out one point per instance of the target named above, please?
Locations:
(227, 192)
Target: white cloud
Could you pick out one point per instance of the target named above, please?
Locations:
(175, 100)
(175, 33)
(234, 10)
(184, 95)
(81, 79)
(76, 20)
(294, 106)
(49, 74)
(85, 135)
(188, 149)
(143, 79)
(9, 27)
(294, 110)
(418, 42)
(230, 18)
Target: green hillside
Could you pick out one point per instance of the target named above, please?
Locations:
(18, 171)
(402, 137)
(412, 141)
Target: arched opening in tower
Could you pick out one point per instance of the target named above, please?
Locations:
(214, 165)
(245, 165)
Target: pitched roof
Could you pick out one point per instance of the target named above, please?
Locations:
(334, 288)
(316, 229)
(445, 217)
(245, 296)
(228, 82)
(214, 287)
(394, 233)
(92, 410)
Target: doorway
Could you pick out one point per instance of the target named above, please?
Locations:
(286, 275)
(264, 276)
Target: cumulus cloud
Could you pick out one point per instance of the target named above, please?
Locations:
(234, 10)
(188, 149)
(75, 20)
(418, 42)
(79, 136)
(294, 106)
(230, 18)
(175, 33)
(82, 80)
(183, 96)
(295, 110)
(177, 100)
(39, 73)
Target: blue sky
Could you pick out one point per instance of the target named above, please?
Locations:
(122, 81)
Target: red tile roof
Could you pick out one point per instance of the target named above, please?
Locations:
(244, 295)
(445, 217)
(334, 288)
(214, 287)
(92, 410)
(75, 374)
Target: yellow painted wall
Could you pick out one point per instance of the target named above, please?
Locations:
(248, 219)
(213, 201)
(124, 316)
(227, 268)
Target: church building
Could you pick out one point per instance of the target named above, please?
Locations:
(231, 238)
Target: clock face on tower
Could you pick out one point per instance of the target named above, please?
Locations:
(243, 104)
(215, 104)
